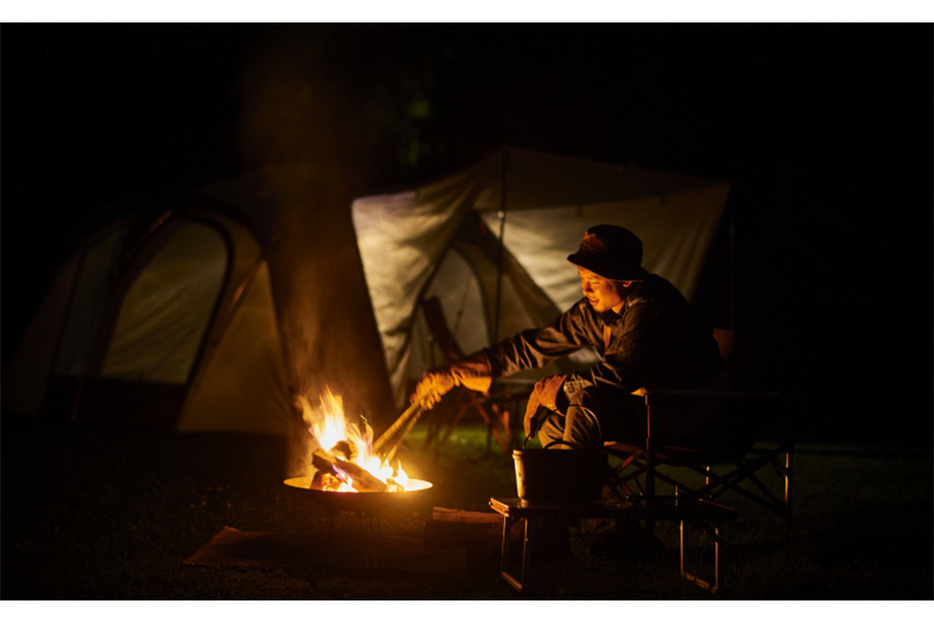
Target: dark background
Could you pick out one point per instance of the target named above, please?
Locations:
(826, 130)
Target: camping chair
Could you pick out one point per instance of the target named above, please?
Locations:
(493, 409)
(728, 453)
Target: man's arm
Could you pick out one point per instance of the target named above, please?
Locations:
(532, 349)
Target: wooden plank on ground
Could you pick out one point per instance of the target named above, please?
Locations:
(448, 527)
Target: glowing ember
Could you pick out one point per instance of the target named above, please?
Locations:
(346, 442)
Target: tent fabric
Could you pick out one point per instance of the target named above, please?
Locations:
(26, 377)
(443, 239)
(89, 298)
(165, 313)
(250, 348)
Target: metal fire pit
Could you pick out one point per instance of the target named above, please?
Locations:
(372, 502)
(363, 502)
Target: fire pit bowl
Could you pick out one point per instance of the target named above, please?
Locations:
(366, 502)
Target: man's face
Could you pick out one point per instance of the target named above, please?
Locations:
(604, 294)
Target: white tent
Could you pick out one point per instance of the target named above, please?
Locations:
(444, 238)
(209, 312)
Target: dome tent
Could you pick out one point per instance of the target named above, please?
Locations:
(209, 313)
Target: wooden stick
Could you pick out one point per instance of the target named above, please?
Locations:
(412, 413)
(391, 452)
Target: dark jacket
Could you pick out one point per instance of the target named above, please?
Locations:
(656, 341)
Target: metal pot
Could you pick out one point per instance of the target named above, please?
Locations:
(549, 476)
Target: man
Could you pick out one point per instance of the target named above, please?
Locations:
(645, 331)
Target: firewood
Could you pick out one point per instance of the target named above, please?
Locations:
(325, 480)
(345, 450)
(326, 476)
(363, 480)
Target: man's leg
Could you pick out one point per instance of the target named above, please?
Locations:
(588, 424)
(578, 429)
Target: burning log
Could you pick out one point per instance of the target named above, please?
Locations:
(361, 479)
(325, 480)
(346, 448)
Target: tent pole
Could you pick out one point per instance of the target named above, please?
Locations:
(499, 258)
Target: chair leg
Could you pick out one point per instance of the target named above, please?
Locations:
(498, 425)
(617, 485)
(712, 587)
(496, 421)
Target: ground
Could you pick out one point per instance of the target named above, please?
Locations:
(108, 515)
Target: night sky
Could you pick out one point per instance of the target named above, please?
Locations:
(825, 129)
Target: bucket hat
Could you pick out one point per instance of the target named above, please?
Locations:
(612, 252)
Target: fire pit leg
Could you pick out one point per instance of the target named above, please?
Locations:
(370, 535)
(369, 549)
(370, 544)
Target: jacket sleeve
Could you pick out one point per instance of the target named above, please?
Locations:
(532, 349)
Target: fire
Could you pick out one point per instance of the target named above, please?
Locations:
(332, 433)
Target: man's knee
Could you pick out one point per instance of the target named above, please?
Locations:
(582, 428)
(551, 429)
(579, 428)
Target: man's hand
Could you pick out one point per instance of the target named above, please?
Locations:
(472, 372)
(531, 408)
(545, 394)
(433, 385)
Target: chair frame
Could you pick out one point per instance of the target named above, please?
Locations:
(644, 462)
(743, 464)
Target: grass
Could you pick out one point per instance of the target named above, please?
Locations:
(104, 515)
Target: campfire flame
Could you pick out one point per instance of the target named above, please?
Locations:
(332, 432)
